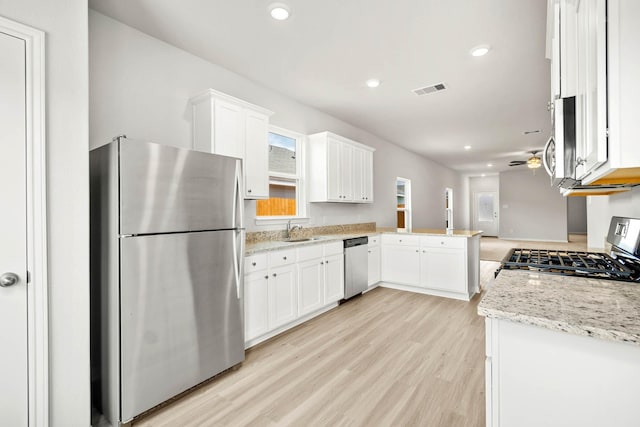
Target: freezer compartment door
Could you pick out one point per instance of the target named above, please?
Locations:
(181, 314)
(167, 189)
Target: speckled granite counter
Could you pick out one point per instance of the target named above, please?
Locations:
(605, 309)
(432, 232)
(274, 245)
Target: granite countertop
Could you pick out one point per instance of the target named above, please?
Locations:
(274, 245)
(433, 232)
(604, 309)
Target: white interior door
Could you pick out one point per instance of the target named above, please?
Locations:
(13, 232)
(485, 216)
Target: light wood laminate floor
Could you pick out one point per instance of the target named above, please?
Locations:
(386, 358)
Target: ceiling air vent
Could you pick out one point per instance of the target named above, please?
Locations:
(429, 89)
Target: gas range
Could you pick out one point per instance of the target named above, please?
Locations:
(623, 263)
(573, 263)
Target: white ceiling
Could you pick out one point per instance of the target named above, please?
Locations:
(323, 54)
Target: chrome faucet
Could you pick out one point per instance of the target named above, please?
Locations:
(292, 227)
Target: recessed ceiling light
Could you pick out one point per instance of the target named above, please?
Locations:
(490, 165)
(481, 50)
(467, 147)
(483, 175)
(279, 11)
(373, 83)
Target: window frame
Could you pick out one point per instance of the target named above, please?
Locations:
(298, 177)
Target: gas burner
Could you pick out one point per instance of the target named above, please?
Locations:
(573, 263)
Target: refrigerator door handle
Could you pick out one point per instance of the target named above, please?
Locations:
(238, 200)
(238, 259)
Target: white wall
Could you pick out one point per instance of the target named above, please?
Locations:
(600, 209)
(530, 209)
(140, 87)
(577, 215)
(65, 24)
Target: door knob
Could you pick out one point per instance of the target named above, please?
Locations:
(9, 279)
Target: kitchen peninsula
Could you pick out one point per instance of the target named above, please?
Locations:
(432, 261)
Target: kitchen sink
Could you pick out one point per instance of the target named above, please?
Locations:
(305, 239)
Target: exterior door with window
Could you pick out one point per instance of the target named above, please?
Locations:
(13, 229)
(486, 213)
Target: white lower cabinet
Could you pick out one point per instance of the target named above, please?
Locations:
(439, 265)
(401, 264)
(256, 304)
(443, 269)
(333, 278)
(283, 302)
(541, 377)
(310, 286)
(374, 265)
(283, 288)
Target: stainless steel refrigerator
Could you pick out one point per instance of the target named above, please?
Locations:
(167, 250)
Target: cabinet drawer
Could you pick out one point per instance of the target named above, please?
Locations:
(443, 242)
(374, 241)
(310, 252)
(255, 263)
(334, 248)
(401, 239)
(278, 258)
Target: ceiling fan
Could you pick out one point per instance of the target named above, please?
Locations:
(533, 162)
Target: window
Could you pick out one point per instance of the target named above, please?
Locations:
(403, 196)
(285, 176)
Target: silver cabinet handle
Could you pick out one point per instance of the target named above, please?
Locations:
(327, 262)
(274, 274)
(249, 191)
(284, 258)
(9, 279)
(321, 262)
(266, 277)
(253, 263)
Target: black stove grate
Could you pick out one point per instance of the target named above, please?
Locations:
(585, 264)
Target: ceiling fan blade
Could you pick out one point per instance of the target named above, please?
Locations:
(517, 162)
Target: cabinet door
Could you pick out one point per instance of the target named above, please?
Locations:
(346, 166)
(334, 172)
(374, 265)
(333, 278)
(591, 103)
(228, 129)
(256, 305)
(401, 264)
(367, 175)
(283, 302)
(357, 174)
(443, 269)
(568, 48)
(310, 285)
(256, 159)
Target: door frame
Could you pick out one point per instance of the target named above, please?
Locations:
(37, 280)
(474, 210)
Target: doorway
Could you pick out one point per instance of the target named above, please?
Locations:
(403, 203)
(23, 309)
(485, 212)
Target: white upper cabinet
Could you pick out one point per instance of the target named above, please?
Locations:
(256, 156)
(591, 96)
(593, 47)
(340, 170)
(230, 126)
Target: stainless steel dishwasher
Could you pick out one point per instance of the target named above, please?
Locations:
(356, 266)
